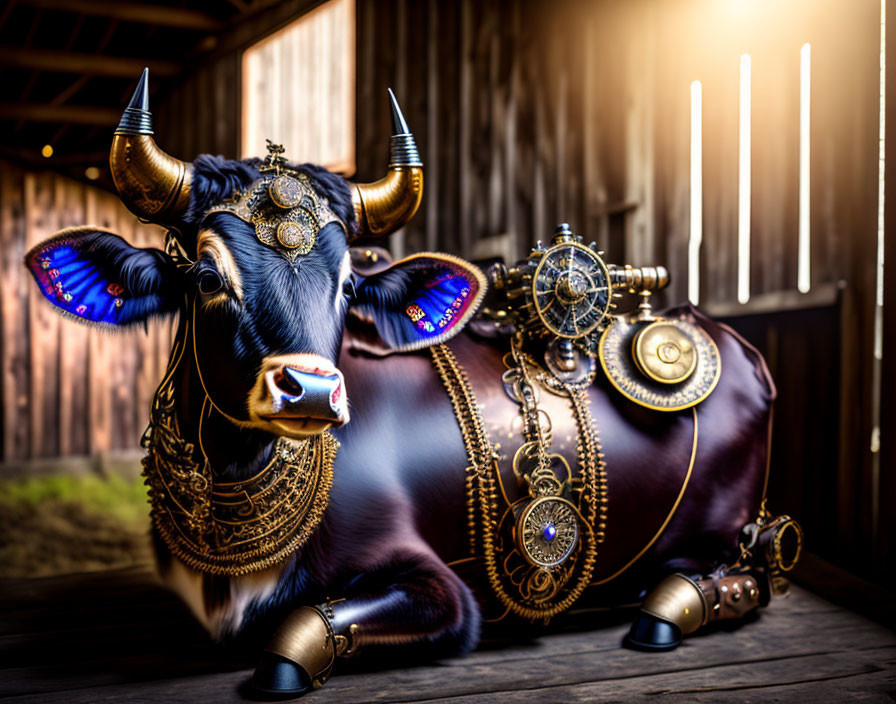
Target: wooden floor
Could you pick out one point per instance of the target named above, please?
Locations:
(115, 637)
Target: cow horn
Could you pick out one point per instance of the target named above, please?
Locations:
(153, 185)
(383, 206)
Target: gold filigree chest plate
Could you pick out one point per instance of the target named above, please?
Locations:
(233, 528)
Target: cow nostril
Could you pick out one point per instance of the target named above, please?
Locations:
(287, 381)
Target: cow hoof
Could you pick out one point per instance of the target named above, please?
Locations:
(652, 633)
(276, 677)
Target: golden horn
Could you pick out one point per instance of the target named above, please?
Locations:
(383, 206)
(152, 184)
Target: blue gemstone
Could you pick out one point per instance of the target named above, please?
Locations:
(550, 531)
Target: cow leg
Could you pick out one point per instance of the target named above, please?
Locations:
(679, 605)
(422, 605)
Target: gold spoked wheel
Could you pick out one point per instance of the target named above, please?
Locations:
(571, 290)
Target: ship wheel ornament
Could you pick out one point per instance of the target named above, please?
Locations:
(571, 289)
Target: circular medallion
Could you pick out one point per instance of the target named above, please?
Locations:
(295, 235)
(665, 353)
(285, 192)
(571, 290)
(664, 377)
(547, 531)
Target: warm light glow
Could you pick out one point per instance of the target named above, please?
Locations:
(298, 89)
(92, 173)
(881, 164)
(696, 233)
(743, 186)
(877, 362)
(47, 151)
(803, 262)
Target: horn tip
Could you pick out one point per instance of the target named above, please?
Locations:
(140, 98)
(399, 124)
(137, 119)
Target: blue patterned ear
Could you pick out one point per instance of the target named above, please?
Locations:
(422, 300)
(97, 277)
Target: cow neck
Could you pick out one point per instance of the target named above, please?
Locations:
(248, 514)
(232, 452)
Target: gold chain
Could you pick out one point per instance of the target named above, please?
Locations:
(590, 491)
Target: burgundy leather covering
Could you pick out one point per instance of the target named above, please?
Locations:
(407, 458)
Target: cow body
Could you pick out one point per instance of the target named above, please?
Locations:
(277, 331)
(398, 499)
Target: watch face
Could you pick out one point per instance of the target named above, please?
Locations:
(571, 290)
(548, 531)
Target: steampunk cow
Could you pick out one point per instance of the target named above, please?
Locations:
(306, 467)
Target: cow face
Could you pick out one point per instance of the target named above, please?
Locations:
(264, 328)
(263, 293)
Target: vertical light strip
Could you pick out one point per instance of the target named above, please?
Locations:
(696, 214)
(743, 185)
(879, 288)
(803, 277)
(877, 362)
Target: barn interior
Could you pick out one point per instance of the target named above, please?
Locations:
(742, 145)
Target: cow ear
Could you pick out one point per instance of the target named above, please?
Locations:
(422, 300)
(96, 277)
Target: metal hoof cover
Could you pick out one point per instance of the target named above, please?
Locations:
(652, 633)
(278, 678)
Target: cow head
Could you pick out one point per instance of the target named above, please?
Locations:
(258, 265)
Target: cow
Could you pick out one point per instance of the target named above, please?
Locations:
(295, 350)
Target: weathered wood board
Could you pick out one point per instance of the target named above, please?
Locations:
(117, 637)
(67, 389)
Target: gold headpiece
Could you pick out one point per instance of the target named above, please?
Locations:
(282, 205)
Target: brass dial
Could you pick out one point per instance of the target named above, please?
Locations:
(665, 353)
(571, 290)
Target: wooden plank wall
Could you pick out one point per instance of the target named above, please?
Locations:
(530, 113)
(66, 388)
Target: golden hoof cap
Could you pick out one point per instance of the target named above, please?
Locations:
(679, 600)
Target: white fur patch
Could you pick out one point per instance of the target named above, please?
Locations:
(228, 616)
(344, 272)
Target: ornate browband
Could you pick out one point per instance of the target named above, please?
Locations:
(283, 206)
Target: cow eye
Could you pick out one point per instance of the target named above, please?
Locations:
(348, 288)
(209, 282)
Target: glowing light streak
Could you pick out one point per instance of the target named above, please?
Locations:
(696, 215)
(804, 279)
(743, 185)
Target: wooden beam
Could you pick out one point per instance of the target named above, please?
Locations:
(141, 13)
(55, 61)
(71, 114)
(820, 296)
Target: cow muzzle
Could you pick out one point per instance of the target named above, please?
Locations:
(298, 395)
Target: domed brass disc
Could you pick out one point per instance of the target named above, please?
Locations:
(665, 353)
(618, 359)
